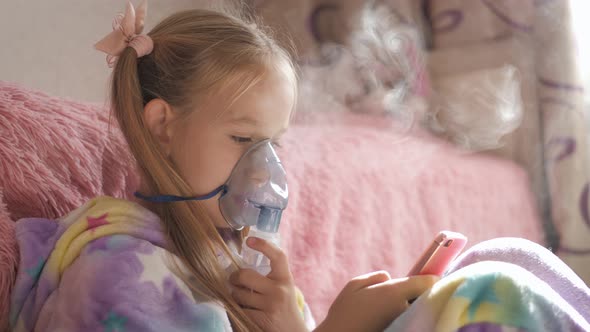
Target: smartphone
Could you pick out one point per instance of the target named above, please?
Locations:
(444, 249)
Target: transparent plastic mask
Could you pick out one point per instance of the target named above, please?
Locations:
(256, 192)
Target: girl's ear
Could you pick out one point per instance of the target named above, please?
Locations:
(159, 117)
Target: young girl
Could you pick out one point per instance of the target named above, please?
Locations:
(191, 97)
(199, 97)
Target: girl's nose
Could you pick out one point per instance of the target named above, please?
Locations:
(259, 176)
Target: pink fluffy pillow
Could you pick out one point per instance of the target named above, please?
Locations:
(8, 262)
(44, 175)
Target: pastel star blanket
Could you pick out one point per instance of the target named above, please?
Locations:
(506, 284)
(105, 267)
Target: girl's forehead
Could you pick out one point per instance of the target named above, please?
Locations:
(270, 98)
(265, 102)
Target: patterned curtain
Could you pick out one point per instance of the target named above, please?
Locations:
(552, 141)
(565, 129)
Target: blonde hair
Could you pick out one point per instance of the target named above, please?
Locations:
(196, 53)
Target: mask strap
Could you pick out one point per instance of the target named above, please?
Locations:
(171, 198)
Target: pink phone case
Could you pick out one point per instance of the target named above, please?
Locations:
(444, 249)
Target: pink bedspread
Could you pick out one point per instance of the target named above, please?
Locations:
(362, 197)
(366, 199)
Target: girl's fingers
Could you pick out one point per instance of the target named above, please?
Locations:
(278, 260)
(250, 279)
(409, 288)
(248, 298)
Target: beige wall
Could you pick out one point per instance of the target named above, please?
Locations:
(48, 44)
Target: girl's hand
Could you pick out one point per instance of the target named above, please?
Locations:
(372, 301)
(271, 301)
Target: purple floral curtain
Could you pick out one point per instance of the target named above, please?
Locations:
(536, 37)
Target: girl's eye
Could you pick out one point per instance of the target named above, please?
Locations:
(239, 139)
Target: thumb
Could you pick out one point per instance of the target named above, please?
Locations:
(415, 286)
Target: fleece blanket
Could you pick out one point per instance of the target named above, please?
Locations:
(106, 267)
(506, 284)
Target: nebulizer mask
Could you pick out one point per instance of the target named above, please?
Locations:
(254, 196)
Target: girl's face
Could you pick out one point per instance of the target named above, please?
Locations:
(206, 145)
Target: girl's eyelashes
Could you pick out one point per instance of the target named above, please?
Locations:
(242, 140)
(247, 140)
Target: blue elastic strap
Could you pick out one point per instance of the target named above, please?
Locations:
(172, 198)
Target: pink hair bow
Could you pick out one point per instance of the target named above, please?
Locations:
(127, 30)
